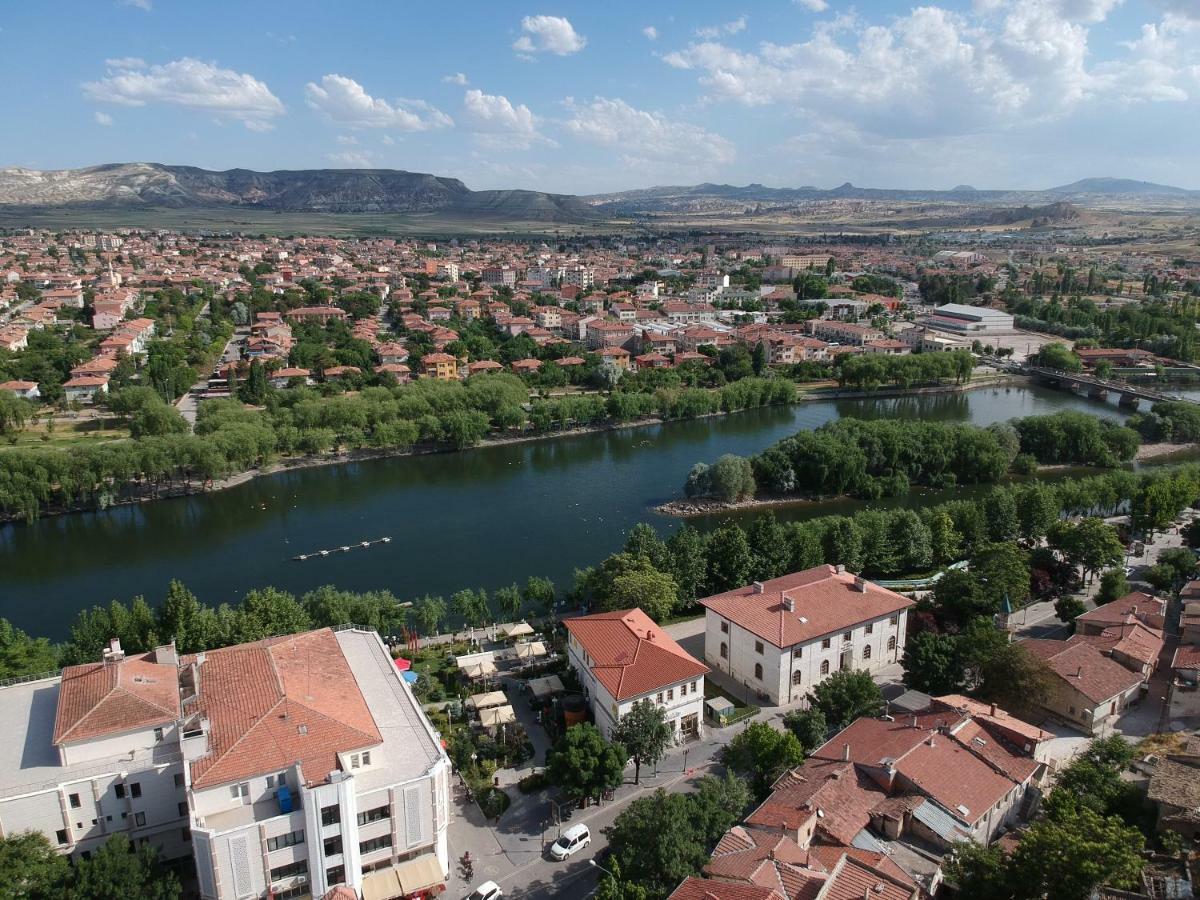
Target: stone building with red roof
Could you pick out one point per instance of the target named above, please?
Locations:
(780, 638)
(623, 658)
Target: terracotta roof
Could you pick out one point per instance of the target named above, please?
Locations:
(1133, 639)
(824, 601)
(1084, 667)
(1187, 656)
(834, 791)
(630, 655)
(1136, 604)
(766, 858)
(99, 699)
(277, 702)
(854, 880)
(705, 889)
(964, 785)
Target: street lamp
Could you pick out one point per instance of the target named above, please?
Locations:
(592, 862)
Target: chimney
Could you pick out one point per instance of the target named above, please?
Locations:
(789, 604)
(993, 709)
(1079, 672)
(846, 752)
(859, 584)
(841, 569)
(915, 725)
(758, 587)
(113, 652)
(931, 740)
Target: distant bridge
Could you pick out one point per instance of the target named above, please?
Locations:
(1128, 394)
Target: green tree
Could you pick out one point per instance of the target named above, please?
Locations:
(1091, 544)
(809, 727)
(730, 559)
(178, 618)
(14, 412)
(470, 606)
(731, 478)
(845, 696)
(1113, 586)
(624, 581)
(22, 655)
(118, 869)
(762, 754)
(688, 565)
(932, 664)
(583, 764)
(612, 885)
(538, 594)
(1003, 574)
(508, 602)
(645, 735)
(430, 612)
(1070, 855)
(656, 842)
(1068, 608)
(31, 869)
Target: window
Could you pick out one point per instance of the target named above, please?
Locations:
(895, 621)
(758, 671)
(331, 815)
(892, 642)
(797, 677)
(724, 628)
(658, 699)
(758, 647)
(185, 835)
(178, 779)
(281, 779)
(291, 839)
(670, 694)
(119, 790)
(292, 893)
(825, 667)
(270, 781)
(135, 789)
(724, 650)
(291, 870)
(336, 875)
(870, 629)
(366, 757)
(183, 810)
(378, 814)
(333, 845)
(867, 652)
(374, 844)
(240, 792)
(61, 835)
(74, 798)
(158, 735)
(139, 820)
(693, 687)
(825, 644)
(354, 761)
(846, 636)
(798, 653)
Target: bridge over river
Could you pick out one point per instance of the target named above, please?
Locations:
(1128, 394)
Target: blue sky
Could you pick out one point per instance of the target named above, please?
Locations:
(588, 97)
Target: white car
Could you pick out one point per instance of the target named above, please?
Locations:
(489, 890)
(572, 840)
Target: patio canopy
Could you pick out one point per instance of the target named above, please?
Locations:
(545, 687)
(496, 716)
(531, 650)
(480, 669)
(521, 629)
(403, 879)
(484, 701)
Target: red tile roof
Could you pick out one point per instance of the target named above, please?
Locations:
(835, 792)
(824, 601)
(1136, 604)
(1084, 667)
(705, 889)
(277, 702)
(630, 655)
(99, 699)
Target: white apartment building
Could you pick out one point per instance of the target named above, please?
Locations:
(623, 658)
(93, 752)
(579, 276)
(309, 764)
(286, 767)
(780, 638)
(448, 270)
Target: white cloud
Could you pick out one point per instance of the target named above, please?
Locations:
(387, 140)
(813, 5)
(344, 101)
(103, 118)
(934, 71)
(353, 159)
(347, 140)
(650, 32)
(457, 78)
(550, 34)
(647, 137)
(189, 83)
(1184, 9)
(499, 123)
(143, 5)
(125, 62)
(714, 31)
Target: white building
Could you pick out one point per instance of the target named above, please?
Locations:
(623, 658)
(309, 764)
(93, 752)
(285, 767)
(975, 320)
(579, 276)
(782, 637)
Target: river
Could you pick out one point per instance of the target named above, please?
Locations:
(482, 518)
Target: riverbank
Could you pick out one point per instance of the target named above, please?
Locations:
(1160, 452)
(145, 492)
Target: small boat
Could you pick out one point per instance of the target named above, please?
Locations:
(302, 557)
(324, 552)
(345, 548)
(385, 540)
(364, 544)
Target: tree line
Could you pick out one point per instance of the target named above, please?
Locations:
(869, 371)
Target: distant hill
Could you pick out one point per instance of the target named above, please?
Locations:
(149, 185)
(1121, 186)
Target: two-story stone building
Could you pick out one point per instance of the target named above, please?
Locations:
(780, 638)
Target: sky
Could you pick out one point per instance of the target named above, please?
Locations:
(597, 97)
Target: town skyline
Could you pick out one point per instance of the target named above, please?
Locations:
(1010, 96)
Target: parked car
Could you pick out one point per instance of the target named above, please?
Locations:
(572, 840)
(489, 890)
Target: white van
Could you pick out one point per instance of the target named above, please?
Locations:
(574, 838)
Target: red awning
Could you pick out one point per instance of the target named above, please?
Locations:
(403, 664)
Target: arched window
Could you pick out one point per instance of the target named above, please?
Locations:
(892, 642)
(725, 649)
(758, 671)
(867, 652)
(797, 677)
(825, 667)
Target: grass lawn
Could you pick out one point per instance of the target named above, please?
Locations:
(67, 433)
